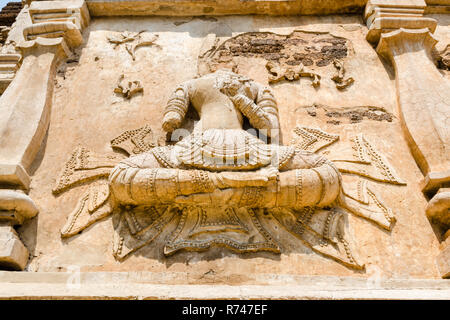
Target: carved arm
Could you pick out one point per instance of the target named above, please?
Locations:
(262, 111)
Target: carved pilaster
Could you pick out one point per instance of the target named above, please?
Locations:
(404, 37)
(55, 29)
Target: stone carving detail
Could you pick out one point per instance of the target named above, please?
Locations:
(353, 114)
(369, 163)
(338, 78)
(278, 73)
(444, 58)
(135, 141)
(219, 186)
(195, 233)
(363, 201)
(54, 31)
(324, 231)
(133, 40)
(288, 57)
(128, 88)
(365, 162)
(311, 139)
(92, 207)
(10, 61)
(84, 165)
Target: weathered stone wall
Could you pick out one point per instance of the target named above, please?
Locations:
(87, 112)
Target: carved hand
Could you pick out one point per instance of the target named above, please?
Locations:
(171, 121)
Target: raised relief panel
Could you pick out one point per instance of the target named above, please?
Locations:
(222, 186)
(9, 64)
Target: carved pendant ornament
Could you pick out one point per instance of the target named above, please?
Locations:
(222, 186)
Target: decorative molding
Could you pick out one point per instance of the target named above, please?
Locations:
(10, 61)
(219, 8)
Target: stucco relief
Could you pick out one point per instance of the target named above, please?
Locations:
(220, 185)
(132, 41)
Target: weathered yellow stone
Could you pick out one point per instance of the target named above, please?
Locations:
(201, 144)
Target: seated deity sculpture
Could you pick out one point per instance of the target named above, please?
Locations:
(221, 164)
